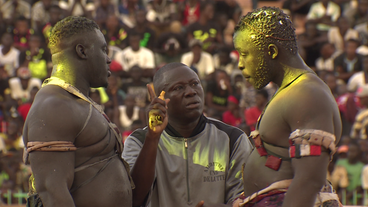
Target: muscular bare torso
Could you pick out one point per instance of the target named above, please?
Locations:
(275, 129)
(111, 186)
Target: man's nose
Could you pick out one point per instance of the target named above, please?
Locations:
(189, 91)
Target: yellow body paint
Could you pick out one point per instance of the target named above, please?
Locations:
(154, 119)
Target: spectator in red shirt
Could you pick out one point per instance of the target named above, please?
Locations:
(191, 12)
(24, 108)
(252, 114)
(232, 115)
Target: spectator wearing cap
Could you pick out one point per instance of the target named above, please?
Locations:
(354, 168)
(339, 176)
(136, 55)
(360, 78)
(22, 85)
(232, 115)
(361, 120)
(199, 59)
(252, 114)
(8, 54)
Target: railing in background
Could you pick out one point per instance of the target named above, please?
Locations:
(21, 196)
(9, 195)
(356, 195)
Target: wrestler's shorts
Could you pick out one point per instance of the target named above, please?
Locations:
(34, 200)
(273, 198)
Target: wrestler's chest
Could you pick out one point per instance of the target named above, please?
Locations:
(96, 135)
(272, 126)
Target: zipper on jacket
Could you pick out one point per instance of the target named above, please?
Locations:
(186, 152)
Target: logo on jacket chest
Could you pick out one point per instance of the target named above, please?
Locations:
(214, 172)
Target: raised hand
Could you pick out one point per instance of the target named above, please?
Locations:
(156, 110)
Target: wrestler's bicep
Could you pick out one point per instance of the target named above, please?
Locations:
(53, 120)
(310, 109)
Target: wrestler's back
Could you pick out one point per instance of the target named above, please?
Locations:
(275, 130)
(111, 187)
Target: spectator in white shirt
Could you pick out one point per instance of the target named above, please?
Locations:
(78, 7)
(198, 59)
(13, 9)
(136, 55)
(22, 85)
(40, 13)
(360, 78)
(337, 35)
(326, 61)
(9, 55)
(325, 13)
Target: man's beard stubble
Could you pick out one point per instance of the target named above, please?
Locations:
(262, 73)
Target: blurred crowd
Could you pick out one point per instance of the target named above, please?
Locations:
(144, 35)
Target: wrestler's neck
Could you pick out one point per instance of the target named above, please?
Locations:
(70, 76)
(290, 72)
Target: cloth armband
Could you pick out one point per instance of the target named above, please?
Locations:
(53, 146)
(309, 142)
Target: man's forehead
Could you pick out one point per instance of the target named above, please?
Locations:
(179, 74)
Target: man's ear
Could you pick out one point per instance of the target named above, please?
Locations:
(81, 51)
(273, 51)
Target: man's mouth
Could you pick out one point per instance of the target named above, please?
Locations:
(194, 104)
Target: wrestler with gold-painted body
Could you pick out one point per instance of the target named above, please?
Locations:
(297, 133)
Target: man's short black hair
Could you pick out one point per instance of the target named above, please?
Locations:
(263, 92)
(158, 75)
(70, 26)
(269, 25)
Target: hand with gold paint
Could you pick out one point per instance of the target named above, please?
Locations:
(157, 112)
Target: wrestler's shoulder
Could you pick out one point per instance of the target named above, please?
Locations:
(310, 85)
(55, 96)
(54, 101)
